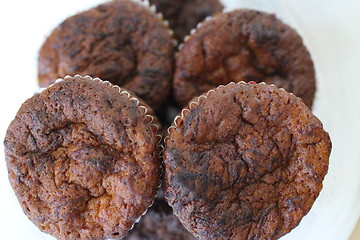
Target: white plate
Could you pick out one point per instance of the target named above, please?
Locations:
(329, 29)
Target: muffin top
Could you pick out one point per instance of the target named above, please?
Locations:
(243, 45)
(82, 158)
(120, 41)
(245, 161)
(184, 15)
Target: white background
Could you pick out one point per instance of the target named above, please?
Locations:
(330, 30)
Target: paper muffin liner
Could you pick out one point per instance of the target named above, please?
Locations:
(159, 16)
(186, 110)
(193, 31)
(166, 22)
(208, 18)
(152, 121)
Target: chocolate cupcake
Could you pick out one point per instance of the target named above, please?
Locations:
(245, 161)
(243, 45)
(121, 41)
(159, 223)
(184, 15)
(82, 158)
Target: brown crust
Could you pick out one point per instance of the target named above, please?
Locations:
(119, 41)
(184, 15)
(246, 161)
(243, 45)
(159, 223)
(82, 158)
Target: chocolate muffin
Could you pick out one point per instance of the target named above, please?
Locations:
(82, 158)
(243, 45)
(120, 41)
(245, 161)
(159, 223)
(184, 15)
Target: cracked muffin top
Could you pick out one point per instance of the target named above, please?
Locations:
(184, 15)
(159, 223)
(82, 158)
(243, 45)
(120, 41)
(245, 161)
